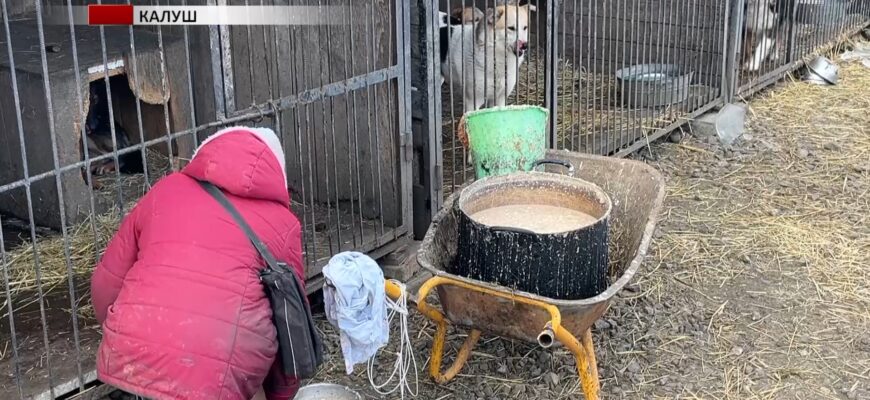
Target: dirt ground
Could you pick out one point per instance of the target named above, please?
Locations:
(757, 284)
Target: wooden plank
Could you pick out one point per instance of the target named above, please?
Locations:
(180, 104)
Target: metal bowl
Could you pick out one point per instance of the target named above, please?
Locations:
(822, 71)
(653, 85)
(326, 391)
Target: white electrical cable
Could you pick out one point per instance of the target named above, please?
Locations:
(404, 356)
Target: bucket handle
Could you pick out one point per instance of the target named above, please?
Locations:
(537, 243)
(566, 164)
(461, 134)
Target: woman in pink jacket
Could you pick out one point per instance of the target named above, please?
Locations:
(184, 314)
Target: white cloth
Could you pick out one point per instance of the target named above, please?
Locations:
(266, 135)
(356, 305)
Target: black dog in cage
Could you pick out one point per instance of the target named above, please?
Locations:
(98, 133)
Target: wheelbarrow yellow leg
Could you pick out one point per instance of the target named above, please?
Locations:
(593, 362)
(438, 354)
(583, 351)
(584, 357)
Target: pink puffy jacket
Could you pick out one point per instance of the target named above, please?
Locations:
(184, 315)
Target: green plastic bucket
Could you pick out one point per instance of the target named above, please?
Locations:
(503, 140)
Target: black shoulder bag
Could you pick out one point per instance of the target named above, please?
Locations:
(299, 346)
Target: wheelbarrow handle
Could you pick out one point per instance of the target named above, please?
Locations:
(392, 289)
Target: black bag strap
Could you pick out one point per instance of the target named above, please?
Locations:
(215, 192)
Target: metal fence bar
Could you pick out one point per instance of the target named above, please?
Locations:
(216, 47)
(332, 89)
(356, 141)
(576, 74)
(309, 254)
(135, 79)
(108, 100)
(63, 223)
(406, 113)
(190, 95)
(350, 136)
(374, 146)
(228, 76)
(89, 179)
(10, 308)
(164, 84)
(405, 143)
(311, 172)
(629, 15)
(552, 82)
(323, 115)
(29, 198)
(82, 380)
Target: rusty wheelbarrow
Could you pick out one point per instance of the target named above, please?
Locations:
(636, 191)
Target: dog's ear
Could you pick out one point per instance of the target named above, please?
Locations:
(443, 19)
(531, 7)
(478, 15)
(457, 14)
(494, 14)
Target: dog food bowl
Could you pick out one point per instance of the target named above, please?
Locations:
(653, 85)
(326, 391)
(822, 71)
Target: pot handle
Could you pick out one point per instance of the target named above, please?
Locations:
(511, 229)
(566, 164)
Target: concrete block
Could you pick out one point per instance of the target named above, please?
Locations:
(704, 125)
(727, 123)
(401, 264)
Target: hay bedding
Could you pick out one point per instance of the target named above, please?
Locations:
(757, 285)
(86, 242)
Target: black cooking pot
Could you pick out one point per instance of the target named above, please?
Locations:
(536, 232)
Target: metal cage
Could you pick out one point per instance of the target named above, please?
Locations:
(344, 98)
(336, 94)
(615, 75)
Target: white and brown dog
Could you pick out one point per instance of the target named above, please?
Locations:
(765, 31)
(448, 24)
(483, 58)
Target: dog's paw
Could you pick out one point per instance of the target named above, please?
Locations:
(104, 168)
